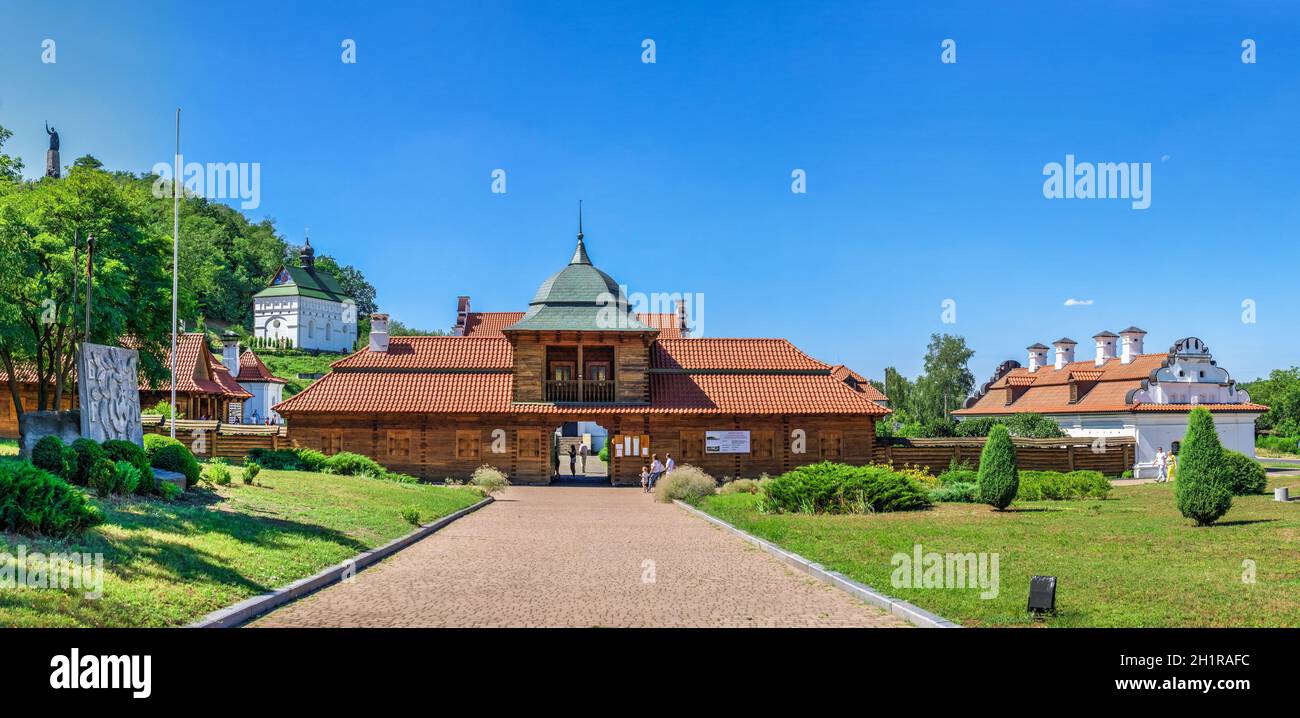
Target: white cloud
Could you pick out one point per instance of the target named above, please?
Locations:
(1072, 302)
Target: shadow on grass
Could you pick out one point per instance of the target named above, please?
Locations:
(1244, 522)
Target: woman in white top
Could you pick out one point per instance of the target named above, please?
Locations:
(1162, 465)
(671, 464)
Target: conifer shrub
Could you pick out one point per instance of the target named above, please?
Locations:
(251, 470)
(1245, 475)
(49, 453)
(1203, 491)
(999, 478)
(126, 477)
(346, 463)
(832, 488)
(87, 453)
(177, 457)
(128, 451)
(35, 501)
(102, 477)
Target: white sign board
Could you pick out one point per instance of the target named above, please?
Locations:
(726, 442)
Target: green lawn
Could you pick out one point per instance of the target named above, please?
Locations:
(289, 365)
(1132, 560)
(169, 564)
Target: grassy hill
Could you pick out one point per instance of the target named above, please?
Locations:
(287, 364)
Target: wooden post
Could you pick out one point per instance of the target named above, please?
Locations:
(580, 370)
(1072, 448)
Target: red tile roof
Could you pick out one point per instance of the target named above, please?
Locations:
(857, 381)
(490, 324)
(476, 352)
(1048, 390)
(251, 369)
(734, 354)
(472, 375)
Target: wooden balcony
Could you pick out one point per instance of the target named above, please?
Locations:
(576, 391)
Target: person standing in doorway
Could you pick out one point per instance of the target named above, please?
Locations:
(583, 451)
(669, 464)
(555, 459)
(1162, 465)
(573, 460)
(656, 470)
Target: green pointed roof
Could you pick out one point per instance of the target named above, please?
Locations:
(305, 282)
(579, 297)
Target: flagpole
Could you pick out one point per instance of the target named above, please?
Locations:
(176, 255)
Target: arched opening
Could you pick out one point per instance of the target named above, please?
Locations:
(576, 453)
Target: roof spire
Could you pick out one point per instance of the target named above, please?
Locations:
(580, 254)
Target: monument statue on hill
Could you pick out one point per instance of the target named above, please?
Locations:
(52, 156)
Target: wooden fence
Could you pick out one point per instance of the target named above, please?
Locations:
(1112, 457)
(212, 439)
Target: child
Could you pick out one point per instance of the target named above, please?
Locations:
(645, 479)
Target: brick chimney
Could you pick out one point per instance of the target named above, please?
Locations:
(462, 316)
(379, 333)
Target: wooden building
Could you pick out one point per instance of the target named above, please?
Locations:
(496, 394)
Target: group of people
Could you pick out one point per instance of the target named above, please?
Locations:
(1165, 464)
(577, 454)
(650, 474)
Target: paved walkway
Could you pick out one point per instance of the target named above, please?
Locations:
(578, 556)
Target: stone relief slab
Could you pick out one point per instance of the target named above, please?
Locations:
(108, 385)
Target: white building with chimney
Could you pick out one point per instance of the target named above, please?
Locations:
(1122, 391)
(248, 369)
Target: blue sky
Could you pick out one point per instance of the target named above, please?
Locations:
(924, 179)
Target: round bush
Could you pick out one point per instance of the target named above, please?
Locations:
(176, 457)
(102, 477)
(686, 482)
(999, 478)
(1245, 475)
(128, 451)
(1202, 492)
(48, 455)
(154, 442)
(88, 453)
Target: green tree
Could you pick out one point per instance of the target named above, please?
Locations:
(947, 380)
(1281, 393)
(999, 477)
(11, 168)
(398, 329)
(43, 231)
(1202, 490)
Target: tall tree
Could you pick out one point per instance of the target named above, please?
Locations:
(947, 380)
(42, 272)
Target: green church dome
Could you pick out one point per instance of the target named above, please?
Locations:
(579, 297)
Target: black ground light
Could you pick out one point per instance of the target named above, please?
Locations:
(1042, 595)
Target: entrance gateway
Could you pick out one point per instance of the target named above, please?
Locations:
(580, 357)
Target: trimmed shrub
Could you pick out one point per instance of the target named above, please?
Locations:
(48, 454)
(959, 476)
(346, 463)
(217, 472)
(88, 452)
(251, 470)
(126, 477)
(102, 477)
(998, 477)
(489, 478)
(1245, 475)
(1058, 486)
(169, 491)
(687, 483)
(34, 501)
(310, 459)
(1202, 492)
(177, 457)
(119, 450)
(739, 486)
(154, 442)
(832, 488)
(961, 492)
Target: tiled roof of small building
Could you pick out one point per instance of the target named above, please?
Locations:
(251, 369)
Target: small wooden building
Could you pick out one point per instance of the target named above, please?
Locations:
(495, 394)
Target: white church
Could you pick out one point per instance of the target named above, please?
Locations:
(306, 309)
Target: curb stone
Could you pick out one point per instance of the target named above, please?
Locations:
(902, 609)
(250, 608)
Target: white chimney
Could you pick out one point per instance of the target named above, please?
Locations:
(1130, 344)
(230, 352)
(1064, 351)
(1037, 357)
(379, 333)
(1105, 346)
